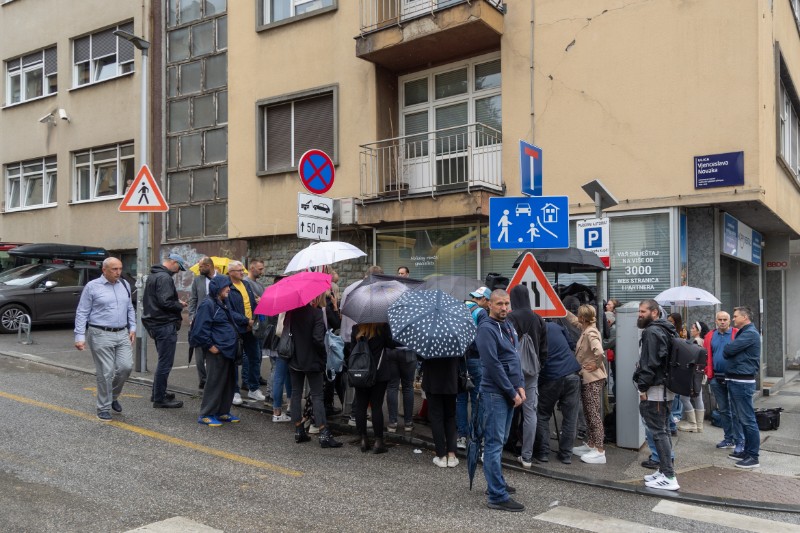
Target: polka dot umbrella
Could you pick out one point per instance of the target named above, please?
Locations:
(432, 323)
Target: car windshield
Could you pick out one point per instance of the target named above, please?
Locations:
(25, 274)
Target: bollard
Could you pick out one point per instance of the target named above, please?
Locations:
(24, 327)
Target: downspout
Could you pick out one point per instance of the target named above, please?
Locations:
(533, 117)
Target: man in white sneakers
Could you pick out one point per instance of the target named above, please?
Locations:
(654, 398)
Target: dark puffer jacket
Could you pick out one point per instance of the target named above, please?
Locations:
(654, 348)
(214, 321)
(160, 302)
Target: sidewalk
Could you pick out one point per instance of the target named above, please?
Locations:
(704, 472)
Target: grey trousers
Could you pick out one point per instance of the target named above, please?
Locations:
(113, 361)
(220, 385)
(529, 416)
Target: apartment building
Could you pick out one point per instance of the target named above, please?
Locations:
(70, 121)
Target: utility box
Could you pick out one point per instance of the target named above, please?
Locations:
(630, 429)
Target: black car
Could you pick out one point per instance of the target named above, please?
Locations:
(47, 292)
(321, 207)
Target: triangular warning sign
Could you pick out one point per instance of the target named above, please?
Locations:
(143, 195)
(544, 300)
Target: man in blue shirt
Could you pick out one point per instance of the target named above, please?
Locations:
(714, 343)
(744, 361)
(106, 320)
(502, 389)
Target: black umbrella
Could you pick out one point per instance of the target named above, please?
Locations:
(375, 278)
(370, 302)
(458, 287)
(565, 261)
(432, 323)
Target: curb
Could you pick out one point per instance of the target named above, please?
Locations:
(418, 442)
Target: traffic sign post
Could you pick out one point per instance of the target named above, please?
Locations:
(316, 171)
(544, 300)
(313, 228)
(530, 168)
(314, 217)
(593, 235)
(528, 222)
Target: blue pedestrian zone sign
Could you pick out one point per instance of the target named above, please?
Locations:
(529, 222)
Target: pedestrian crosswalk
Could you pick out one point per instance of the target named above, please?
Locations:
(589, 521)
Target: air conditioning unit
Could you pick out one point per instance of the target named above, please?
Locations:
(344, 211)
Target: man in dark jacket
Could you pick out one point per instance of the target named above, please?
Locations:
(744, 360)
(559, 381)
(502, 389)
(714, 343)
(162, 320)
(654, 398)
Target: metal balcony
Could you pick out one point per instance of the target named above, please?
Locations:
(403, 34)
(447, 160)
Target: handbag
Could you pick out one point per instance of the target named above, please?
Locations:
(286, 344)
(465, 383)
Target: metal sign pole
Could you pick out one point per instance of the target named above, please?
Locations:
(144, 227)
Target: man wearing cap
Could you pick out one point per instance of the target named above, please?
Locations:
(162, 320)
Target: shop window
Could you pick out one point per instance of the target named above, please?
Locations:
(31, 76)
(31, 184)
(294, 124)
(101, 173)
(101, 56)
(435, 250)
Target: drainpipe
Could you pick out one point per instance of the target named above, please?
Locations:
(533, 118)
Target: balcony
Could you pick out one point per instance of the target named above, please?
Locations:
(453, 159)
(401, 35)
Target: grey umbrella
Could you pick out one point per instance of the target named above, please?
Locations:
(370, 303)
(432, 323)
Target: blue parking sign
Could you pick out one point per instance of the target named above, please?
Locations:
(528, 222)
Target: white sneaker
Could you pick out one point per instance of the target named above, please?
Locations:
(581, 450)
(256, 395)
(237, 398)
(524, 463)
(313, 430)
(664, 483)
(461, 443)
(441, 462)
(594, 457)
(352, 422)
(654, 476)
(452, 462)
(283, 417)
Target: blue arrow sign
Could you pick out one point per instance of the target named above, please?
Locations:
(528, 222)
(530, 168)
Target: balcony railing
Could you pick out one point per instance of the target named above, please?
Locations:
(450, 159)
(377, 14)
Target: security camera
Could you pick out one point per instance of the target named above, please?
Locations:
(48, 118)
(62, 114)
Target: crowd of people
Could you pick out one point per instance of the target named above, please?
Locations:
(574, 356)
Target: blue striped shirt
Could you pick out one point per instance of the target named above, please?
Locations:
(104, 304)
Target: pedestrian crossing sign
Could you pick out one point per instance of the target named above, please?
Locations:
(144, 195)
(544, 300)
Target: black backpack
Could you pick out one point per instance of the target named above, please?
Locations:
(361, 367)
(685, 367)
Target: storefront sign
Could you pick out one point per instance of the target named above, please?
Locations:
(740, 241)
(719, 170)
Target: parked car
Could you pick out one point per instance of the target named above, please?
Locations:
(47, 292)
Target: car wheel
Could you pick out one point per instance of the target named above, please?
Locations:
(10, 317)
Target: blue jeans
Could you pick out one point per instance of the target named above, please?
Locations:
(403, 374)
(166, 338)
(251, 361)
(677, 412)
(730, 423)
(741, 396)
(497, 417)
(281, 380)
(655, 415)
(462, 419)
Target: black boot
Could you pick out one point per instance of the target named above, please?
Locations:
(300, 434)
(365, 445)
(326, 439)
(379, 447)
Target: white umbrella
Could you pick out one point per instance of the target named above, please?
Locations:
(686, 296)
(323, 253)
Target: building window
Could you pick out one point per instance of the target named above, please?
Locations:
(102, 55)
(185, 11)
(294, 124)
(102, 173)
(789, 132)
(32, 76)
(198, 203)
(279, 10)
(31, 184)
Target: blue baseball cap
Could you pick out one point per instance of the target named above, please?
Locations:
(481, 292)
(178, 259)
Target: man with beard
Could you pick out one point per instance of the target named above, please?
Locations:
(654, 398)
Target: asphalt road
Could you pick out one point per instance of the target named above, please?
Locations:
(61, 469)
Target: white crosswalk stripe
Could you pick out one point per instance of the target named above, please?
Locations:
(723, 518)
(567, 516)
(176, 524)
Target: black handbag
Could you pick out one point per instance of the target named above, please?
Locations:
(465, 383)
(237, 359)
(286, 344)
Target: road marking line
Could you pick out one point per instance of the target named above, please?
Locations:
(176, 523)
(158, 436)
(567, 516)
(723, 518)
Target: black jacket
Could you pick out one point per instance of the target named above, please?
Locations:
(236, 302)
(440, 376)
(526, 321)
(308, 332)
(160, 301)
(377, 344)
(654, 347)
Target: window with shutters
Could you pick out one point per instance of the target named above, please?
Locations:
(31, 184)
(291, 125)
(31, 76)
(101, 55)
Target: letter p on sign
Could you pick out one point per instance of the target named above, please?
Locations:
(593, 237)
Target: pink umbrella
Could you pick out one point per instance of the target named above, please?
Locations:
(292, 292)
